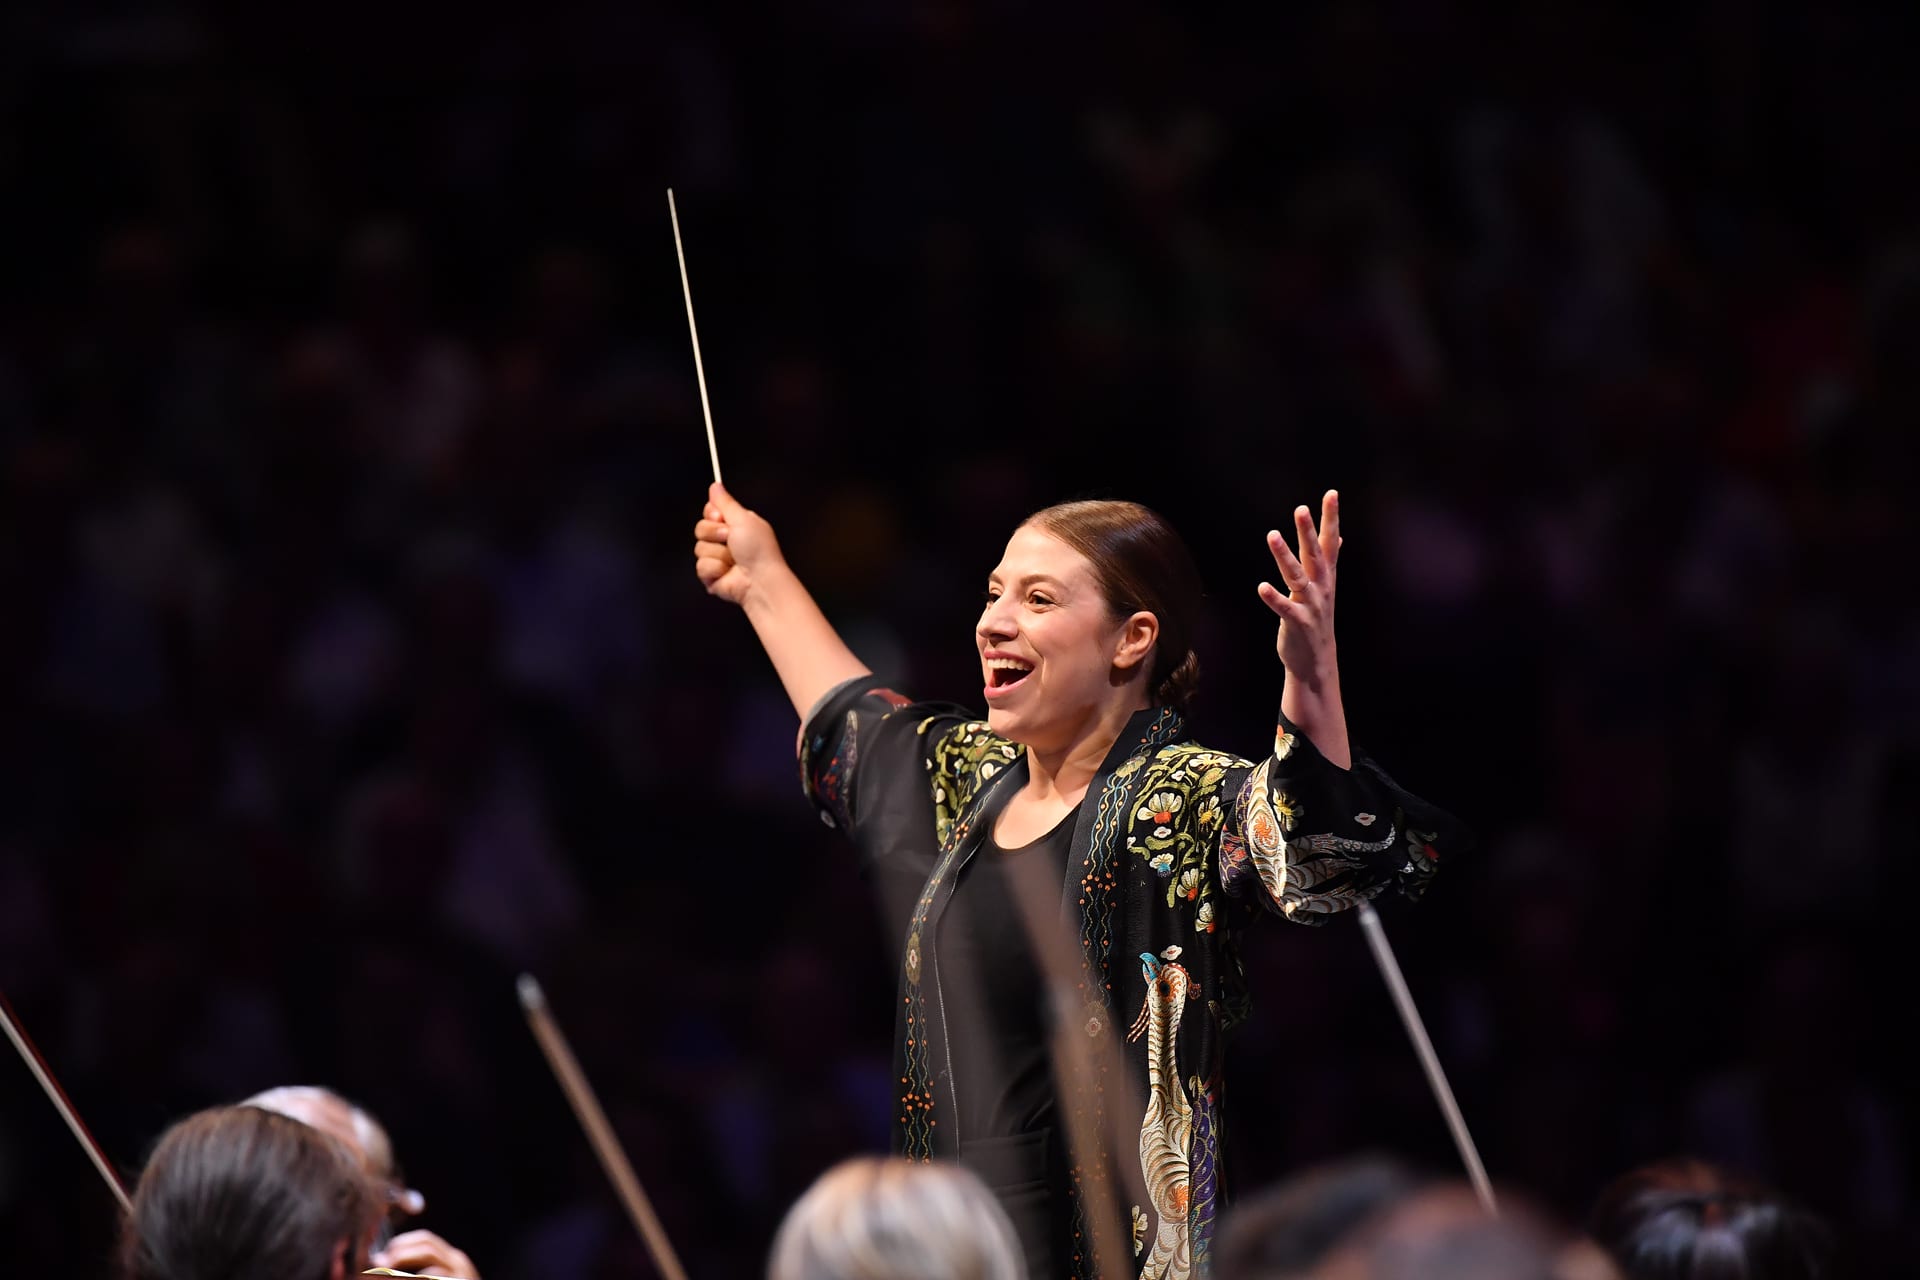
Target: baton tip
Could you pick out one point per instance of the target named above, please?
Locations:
(531, 997)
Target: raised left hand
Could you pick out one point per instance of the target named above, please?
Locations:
(1305, 644)
(425, 1253)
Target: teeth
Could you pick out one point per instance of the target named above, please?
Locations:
(1008, 664)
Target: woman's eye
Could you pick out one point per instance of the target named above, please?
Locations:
(990, 597)
(1038, 599)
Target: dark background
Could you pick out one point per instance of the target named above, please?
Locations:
(351, 658)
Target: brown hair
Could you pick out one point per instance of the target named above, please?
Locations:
(1141, 564)
(237, 1192)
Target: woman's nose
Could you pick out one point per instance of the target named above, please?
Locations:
(996, 622)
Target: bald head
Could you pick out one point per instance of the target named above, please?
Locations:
(333, 1115)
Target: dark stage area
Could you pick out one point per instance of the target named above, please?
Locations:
(352, 659)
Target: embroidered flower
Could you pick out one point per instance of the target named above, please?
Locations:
(1160, 808)
(1208, 814)
(1365, 819)
(988, 769)
(1189, 886)
(1203, 920)
(1287, 808)
(1139, 1231)
(1171, 953)
(1162, 861)
(1282, 744)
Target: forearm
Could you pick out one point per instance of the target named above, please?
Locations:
(1316, 710)
(808, 654)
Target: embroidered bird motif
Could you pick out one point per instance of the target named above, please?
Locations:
(1166, 1130)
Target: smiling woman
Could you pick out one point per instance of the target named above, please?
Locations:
(1082, 783)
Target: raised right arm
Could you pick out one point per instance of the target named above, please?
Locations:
(737, 558)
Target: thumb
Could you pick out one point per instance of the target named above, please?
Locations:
(718, 495)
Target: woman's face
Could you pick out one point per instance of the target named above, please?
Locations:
(1049, 644)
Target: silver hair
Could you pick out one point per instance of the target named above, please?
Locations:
(874, 1219)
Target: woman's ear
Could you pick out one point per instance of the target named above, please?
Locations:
(1137, 636)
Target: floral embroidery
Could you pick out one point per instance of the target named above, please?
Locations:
(1203, 919)
(1178, 825)
(1159, 810)
(1282, 744)
(1287, 809)
(965, 758)
(1365, 819)
(1139, 1231)
(1208, 812)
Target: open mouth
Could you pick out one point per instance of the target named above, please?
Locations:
(1004, 673)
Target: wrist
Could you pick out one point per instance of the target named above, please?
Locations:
(1310, 708)
(770, 590)
(1317, 713)
(1321, 681)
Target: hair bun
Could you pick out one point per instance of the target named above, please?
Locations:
(1181, 683)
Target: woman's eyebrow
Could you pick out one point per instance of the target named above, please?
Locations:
(1030, 579)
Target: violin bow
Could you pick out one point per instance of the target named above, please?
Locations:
(58, 1097)
(586, 1108)
(1429, 1060)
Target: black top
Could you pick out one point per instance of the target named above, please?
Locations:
(1001, 1076)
